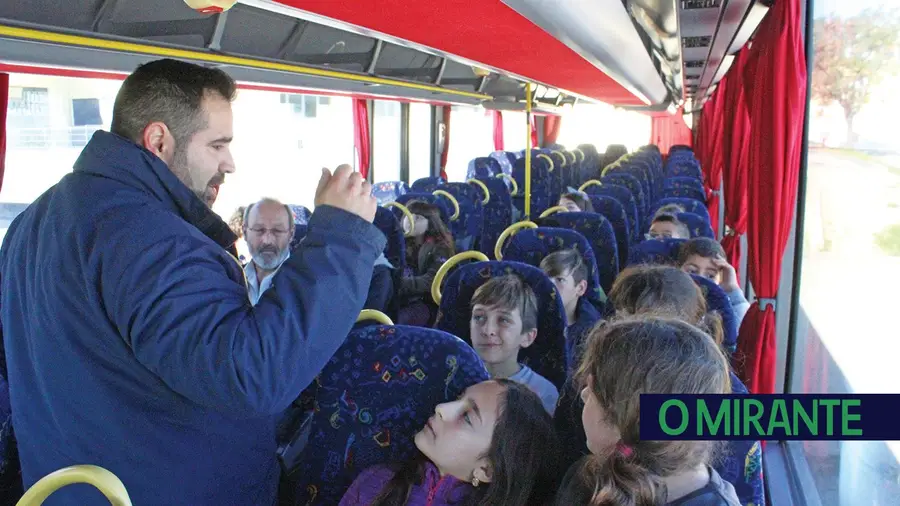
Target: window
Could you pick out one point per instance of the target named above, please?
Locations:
(602, 125)
(515, 131)
(386, 141)
(471, 136)
(845, 338)
(420, 127)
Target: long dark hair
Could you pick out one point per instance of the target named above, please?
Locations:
(524, 457)
(437, 230)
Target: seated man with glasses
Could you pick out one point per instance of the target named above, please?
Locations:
(268, 230)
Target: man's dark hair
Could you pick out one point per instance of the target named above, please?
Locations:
(169, 91)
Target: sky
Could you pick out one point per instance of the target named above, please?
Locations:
(844, 8)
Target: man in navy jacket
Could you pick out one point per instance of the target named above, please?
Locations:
(129, 339)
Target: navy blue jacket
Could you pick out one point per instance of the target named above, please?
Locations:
(130, 342)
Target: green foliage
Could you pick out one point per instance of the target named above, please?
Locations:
(889, 240)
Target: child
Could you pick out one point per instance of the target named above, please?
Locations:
(576, 202)
(673, 209)
(504, 320)
(567, 270)
(667, 226)
(705, 257)
(625, 359)
(428, 249)
(495, 445)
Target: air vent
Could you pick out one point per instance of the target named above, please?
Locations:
(694, 64)
(699, 4)
(701, 41)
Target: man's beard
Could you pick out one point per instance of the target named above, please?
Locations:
(207, 193)
(269, 265)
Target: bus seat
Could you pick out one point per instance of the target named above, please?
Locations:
(717, 300)
(683, 166)
(388, 191)
(685, 192)
(390, 226)
(655, 252)
(625, 197)
(541, 197)
(467, 227)
(372, 397)
(497, 214)
(601, 238)
(10, 471)
(443, 205)
(680, 182)
(427, 184)
(632, 169)
(484, 166)
(506, 161)
(698, 225)
(689, 205)
(301, 214)
(634, 185)
(299, 233)
(614, 211)
(547, 355)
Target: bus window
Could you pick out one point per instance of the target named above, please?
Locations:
(845, 338)
(514, 131)
(602, 125)
(471, 136)
(386, 141)
(420, 126)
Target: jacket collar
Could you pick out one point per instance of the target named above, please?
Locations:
(111, 156)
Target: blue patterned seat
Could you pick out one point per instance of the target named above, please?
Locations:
(427, 184)
(630, 168)
(684, 192)
(717, 300)
(301, 214)
(634, 185)
(444, 205)
(655, 252)
(505, 160)
(698, 225)
(541, 196)
(388, 191)
(614, 211)
(497, 214)
(684, 166)
(547, 355)
(370, 400)
(626, 198)
(530, 246)
(742, 463)
(467, 227)
(299, 233)
(681, 182)
(483, 167)
(600, 236)
(389, 224)
(689, 205)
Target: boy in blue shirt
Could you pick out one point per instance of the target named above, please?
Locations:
(504, 320)
(705, 257)
(568, 271)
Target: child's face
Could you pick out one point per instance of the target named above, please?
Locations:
(569, 290)
(666, 230)
(459, 434)
(702, 266)
(497, 334)
(600, 434)
(570, 205)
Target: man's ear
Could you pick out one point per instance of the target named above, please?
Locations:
(530, 336)
(158, 140)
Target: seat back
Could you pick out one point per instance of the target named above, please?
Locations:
(600, 236)
(467, 227)
(372, 397)
(505, 160)
(614, 211)
(634, 185)
(634, 170)
(299, 233)
(682, 182)
(388, 191)
(427, 184)
(686, 192)
(547, 355)
(717, 300)
(626, 198)
(663, 252)
(531, 246)
(497, 214)
(689, 205)
(390, 226)
(301, 214)
(541, 197)
(698, 225)
(483, 167)
(684, 166)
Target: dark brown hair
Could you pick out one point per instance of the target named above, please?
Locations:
(437, 230)
(580, 199)
(671, 218)
(511, 293)
(564, 261)
(700, 246)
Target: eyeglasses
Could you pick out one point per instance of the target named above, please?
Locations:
(277, 232)
(656, 237)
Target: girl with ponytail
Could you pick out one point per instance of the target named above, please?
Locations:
(624, 359)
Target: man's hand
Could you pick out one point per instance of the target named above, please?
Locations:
(728, 281)
(347, 190)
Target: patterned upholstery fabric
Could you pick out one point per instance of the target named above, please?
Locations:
(655, 252)
(614, 211)
(427, 184)
(467, 228)
(600, 236)
(697, 224)
(682, 166)
(371, 399)
(626, 198)
(547, 355)
(684, 182)
(541, 195)
(497, 214)
(390, 226)
(633, 184)
(444, 205)
(685, 192)
(301, 214)
(299, 233)
(388, 191)
(483, 167)
(689, 205)
(505, 160)
(717, 300)
(742, 463)
(636, 171)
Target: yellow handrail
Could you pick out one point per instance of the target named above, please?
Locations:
(442, 193)
(549, 160)
(578, 152)
(371, 314)
(487, 194)
(564, 157)
(512, 180)
(449, 264)
(510, 230)
(409, 216)
(105, 481)
(588, 184)
(554, 210)
(528, 151)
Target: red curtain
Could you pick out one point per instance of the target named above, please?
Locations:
(668, 130)
(498, 130)
(551, 129)
(4, 103)
(534, 135)
(711, 154)
(361, 134)
(775, 83)
(445, 149)
(736, 137)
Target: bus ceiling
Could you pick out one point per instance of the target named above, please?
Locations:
(651, 55)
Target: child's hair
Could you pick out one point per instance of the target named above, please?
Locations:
(625, 359)
(580, 199)
(524, 457)
(437, 230)
(673, 209)
(664, 290)
(700, 246)
(671, 218)
(511, 293)
(562, 262)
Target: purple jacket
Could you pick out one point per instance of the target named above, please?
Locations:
(435, 490)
